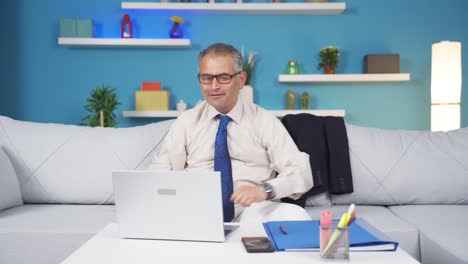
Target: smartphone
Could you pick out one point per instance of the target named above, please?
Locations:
(257, 244)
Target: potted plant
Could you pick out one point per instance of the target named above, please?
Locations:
(329, 57)
(101, 106)
(249, 68)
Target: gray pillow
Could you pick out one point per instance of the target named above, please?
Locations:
(10, 194)
(393, 167)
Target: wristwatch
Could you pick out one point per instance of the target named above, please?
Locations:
(268, 189)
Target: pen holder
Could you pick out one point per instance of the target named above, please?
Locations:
(334, 243)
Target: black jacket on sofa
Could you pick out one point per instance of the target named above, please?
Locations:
(326, 142)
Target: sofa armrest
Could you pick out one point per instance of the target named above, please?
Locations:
(10, 193)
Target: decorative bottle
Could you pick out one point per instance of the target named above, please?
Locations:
(290, 99)
(181, 106)
(126, 27)
(292, 67)
(176, 31)
(305, 100)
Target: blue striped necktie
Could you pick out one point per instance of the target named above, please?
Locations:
(222, 163)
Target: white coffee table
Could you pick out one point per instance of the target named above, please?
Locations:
(107, 247)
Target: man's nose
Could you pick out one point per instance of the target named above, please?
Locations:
(215, 84)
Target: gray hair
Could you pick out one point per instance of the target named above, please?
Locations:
(221, 49)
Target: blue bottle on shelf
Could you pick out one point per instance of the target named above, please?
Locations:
(176, 31)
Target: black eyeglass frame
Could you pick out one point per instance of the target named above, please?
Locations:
(217, 77)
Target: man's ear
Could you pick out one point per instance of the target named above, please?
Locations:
(243, 77)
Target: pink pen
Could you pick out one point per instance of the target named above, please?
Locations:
(325, 221)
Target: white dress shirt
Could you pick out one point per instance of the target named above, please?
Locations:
(260, 147)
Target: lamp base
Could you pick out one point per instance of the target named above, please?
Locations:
(445, 117)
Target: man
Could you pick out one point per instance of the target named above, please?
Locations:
(257, 148)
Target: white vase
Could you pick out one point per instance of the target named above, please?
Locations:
(247, 94)
(181, 106)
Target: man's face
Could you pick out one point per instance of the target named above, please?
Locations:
(223, 97)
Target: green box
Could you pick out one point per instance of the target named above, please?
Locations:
(67, 28)
(76, 28)
(84, 28)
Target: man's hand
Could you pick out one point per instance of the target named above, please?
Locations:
(246, 195)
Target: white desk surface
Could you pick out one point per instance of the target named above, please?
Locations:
(107, 247)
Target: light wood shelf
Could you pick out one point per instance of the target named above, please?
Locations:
(334, 8)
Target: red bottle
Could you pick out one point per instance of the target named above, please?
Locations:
(126, 27)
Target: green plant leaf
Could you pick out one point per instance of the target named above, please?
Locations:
(329, 56)
(102, 99)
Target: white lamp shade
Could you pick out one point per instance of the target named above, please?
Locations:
(446, 85)
(445, 117)
(446, 76)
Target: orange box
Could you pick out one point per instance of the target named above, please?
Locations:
(151, 86)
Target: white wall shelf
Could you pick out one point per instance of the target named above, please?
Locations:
(147, 114)
(278, 113)
(335, 78)
(242, 8)
(125, 42)
(332, 112)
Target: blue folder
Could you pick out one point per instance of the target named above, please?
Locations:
(305, 236)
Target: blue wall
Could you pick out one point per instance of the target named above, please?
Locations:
(41, 81)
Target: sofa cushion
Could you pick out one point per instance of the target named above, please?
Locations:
(394, 167)
(443, 231)
(322, 199)
(73, 164)
(383, 219)
(49, 233)
(10, 194)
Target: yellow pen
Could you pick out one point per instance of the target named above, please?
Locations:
(336, 234)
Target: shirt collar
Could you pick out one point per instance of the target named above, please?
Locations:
(235, 114)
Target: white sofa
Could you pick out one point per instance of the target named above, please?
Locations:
(56, 192)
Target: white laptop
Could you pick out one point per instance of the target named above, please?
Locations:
(175, 205)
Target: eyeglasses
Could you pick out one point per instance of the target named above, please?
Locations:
(223, 78)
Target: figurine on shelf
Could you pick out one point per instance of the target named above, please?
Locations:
(290, 99)
(176, 31)
(181, 106)
(126, 27)
(305, 100)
